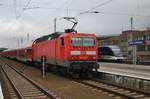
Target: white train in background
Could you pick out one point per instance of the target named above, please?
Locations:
(110, 54)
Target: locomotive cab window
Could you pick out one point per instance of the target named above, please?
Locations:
(29, 50)
(88, 41)
(83, 41)
(76, 41)
(62, 41)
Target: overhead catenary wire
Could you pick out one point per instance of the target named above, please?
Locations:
(64, 3)
(39, 7)
(60, 7)
(91, 10)
(17, 17)
(97, 6)
(24, 9)
(100, 5)
(124, 14)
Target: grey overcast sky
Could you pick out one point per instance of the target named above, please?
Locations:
(19, 17)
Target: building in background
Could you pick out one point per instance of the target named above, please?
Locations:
(123, 39)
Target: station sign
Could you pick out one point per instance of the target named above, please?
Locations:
(136, 42)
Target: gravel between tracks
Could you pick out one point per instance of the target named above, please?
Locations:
(63, 87)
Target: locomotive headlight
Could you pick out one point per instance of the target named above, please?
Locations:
(91, 52)
(72, 57)
(94, 57)
(75, 52)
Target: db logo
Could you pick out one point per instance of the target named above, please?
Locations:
(83, 57)
(83, 52)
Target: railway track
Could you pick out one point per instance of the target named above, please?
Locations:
(121, 91)
(23, 87)
(115, 90)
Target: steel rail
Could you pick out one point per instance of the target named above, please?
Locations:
(41, 88)
(20, 96)
(124, 93)
(123, 87)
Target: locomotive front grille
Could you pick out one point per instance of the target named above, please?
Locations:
(83, 65)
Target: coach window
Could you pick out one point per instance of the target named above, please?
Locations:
(62, 41)
(29, 50)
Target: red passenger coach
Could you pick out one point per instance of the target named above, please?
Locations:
(21, 54)
(71, 51)
(11, 53)
(24, 54)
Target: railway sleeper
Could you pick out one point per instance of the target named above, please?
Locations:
(35, 94)
(36, 97)
(139, 96)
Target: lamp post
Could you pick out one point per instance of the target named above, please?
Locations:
(134, 59)
(55, 19)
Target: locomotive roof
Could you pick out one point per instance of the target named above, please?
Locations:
(55, 35)
(47, 37)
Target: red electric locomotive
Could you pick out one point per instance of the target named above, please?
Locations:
(74, 52)
(69, 51)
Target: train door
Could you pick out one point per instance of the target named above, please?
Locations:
(35, 52)
(29, 54)
(55, 50)
(62, 48)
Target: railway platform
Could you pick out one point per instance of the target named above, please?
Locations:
(1, 93)
(129, 70)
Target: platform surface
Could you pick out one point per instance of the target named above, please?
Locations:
(1, 93)
(130, 70)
